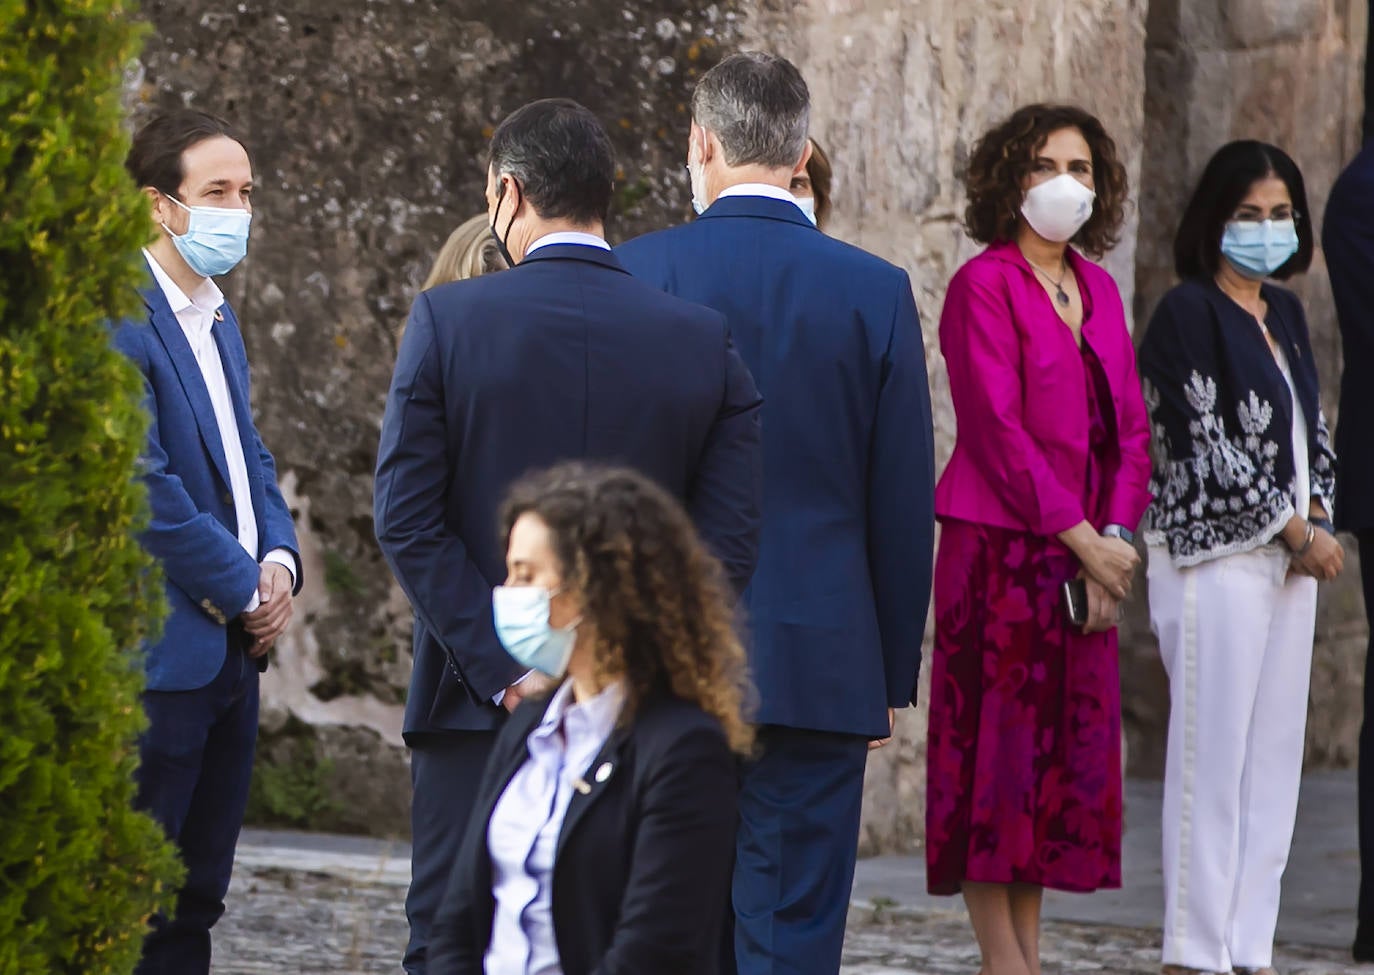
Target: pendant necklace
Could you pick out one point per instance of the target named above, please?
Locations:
(1060, 295)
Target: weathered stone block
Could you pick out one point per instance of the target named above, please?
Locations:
(368, 123)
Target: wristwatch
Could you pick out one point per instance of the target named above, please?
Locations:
(1121, 532)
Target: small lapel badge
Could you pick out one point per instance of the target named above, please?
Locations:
(219, 315)
(604, 772)
(580, 784)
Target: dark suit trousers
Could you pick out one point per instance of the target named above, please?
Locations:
(1366, 773)
(445, 769)
(196, 761)
(798, 839)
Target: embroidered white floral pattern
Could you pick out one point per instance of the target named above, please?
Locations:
(1220, 493)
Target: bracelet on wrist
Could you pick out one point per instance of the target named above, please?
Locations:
(1119, 531)
(1311, 536)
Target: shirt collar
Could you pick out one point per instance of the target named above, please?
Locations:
(207, 298)
(598, 715)
(568, 237)
(758, 189)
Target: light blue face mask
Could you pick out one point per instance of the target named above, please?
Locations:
(522, 625)
(1256, 248)
(808, 207)
(216, 238)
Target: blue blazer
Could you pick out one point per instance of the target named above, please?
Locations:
(563, 357)
(193, 530)
(1348, 246)
(838, 602)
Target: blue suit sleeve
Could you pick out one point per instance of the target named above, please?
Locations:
(197, 553)
(901, 501)
(726, 495)
(1348, 247)
(450, 596)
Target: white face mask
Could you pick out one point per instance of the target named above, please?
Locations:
(696, 170)
(1057, 208)
(808, 207)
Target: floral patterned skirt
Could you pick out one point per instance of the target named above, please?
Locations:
(1024, 752)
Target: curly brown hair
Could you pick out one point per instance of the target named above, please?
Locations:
(659, 603)
(1003, 158)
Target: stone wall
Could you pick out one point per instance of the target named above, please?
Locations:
(368, 120)
(1288, 72)
(901, 91)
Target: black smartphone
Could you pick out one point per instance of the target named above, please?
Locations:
(1076, 601)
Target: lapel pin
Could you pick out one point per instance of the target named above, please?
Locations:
(604, 772)
(219, 315)
(581, 786)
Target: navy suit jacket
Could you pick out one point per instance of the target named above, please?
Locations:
(563, 357)
(1348, 244)
(193, 530)
(838, 602)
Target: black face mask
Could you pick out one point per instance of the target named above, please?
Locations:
(501, 241)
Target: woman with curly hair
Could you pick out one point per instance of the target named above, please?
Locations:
(1239, 536)
(1038, 504)
(603, 835)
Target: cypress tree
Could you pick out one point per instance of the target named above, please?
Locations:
(80, 871)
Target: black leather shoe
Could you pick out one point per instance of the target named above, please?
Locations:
(1363, 949)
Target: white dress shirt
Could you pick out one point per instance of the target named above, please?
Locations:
(196, 315)
(522, 836)
(1302, 482)
(568, 237)
(759, 189)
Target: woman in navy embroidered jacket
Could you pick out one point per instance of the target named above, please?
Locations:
(1239, 536)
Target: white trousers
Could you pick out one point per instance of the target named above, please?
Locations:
(1236, 639)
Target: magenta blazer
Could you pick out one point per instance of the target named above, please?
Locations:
(1016, 378)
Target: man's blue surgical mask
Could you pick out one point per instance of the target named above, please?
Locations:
(216, 238)
(521, 616)
(1257, 248)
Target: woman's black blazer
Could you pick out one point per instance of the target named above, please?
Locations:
(641, 875)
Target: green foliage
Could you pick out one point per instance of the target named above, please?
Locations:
(291, 783)
(340, 578)
(79, 870)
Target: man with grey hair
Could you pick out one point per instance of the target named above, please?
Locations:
(838, 603)
(564, 356)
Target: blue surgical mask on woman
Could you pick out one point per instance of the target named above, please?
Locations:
(522, 625)
(216, 238)
(1257, 248)
(808, 207)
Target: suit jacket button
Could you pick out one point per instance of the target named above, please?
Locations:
(228, 497)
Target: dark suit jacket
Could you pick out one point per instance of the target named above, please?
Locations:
(193, 530)
(838, 602)
(641, 874)
(562, 357)
(1348, 244)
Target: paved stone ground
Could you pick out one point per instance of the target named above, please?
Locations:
(282, 921)
(315, 904)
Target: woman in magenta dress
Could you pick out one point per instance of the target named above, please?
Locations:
(1047, 483)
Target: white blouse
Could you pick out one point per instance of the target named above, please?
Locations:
(522, 836)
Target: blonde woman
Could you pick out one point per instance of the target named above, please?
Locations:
(468, 252)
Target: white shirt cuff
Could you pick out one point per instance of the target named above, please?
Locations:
(501, 694)
(282, 557)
